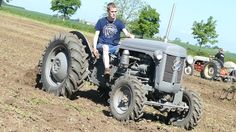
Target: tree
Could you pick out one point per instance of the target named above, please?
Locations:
(216, 47)
(2, 2)
(128, 10)
(65, 7)
(205, 32)
(159, 38)
(147, 24)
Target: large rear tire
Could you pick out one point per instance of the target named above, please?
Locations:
(211, 70)
(190, 118)
(62, 69)
(127, 99)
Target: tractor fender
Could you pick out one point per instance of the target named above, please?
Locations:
(201, 58)
(85, 42)
(230, 66)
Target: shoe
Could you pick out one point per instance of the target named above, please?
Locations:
(107, 71)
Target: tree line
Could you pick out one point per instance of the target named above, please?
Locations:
(2, 1)
(141, 19)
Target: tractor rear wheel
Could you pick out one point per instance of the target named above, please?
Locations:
(62, 69)
(211, 70)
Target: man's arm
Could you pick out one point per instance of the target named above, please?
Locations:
(217, 55)
(95, 41)
(127, 34)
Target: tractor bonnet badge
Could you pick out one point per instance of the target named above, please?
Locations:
(177, 65)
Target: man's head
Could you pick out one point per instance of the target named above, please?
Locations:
(221, 50)
(111, 10)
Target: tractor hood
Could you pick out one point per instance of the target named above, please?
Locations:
(150, 46)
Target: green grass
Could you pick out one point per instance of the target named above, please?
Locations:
(47, 18)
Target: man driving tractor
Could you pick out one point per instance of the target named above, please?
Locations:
(108, 29)
(220, 55)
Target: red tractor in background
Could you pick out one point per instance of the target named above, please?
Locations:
(215, 69)
(212, 68)
(197, 64)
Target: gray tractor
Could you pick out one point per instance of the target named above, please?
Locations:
(143, 73)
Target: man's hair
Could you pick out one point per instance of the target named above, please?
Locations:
(111, 4)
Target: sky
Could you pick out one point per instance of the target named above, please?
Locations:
(186, 12)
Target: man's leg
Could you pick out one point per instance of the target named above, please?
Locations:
(106, 58)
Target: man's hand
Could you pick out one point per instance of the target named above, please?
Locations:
(127, 34)
(96, 53)
(131, 36)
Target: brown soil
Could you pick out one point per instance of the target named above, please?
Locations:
(26, 108)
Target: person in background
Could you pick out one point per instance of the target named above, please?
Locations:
(220, 55)
(108, 31)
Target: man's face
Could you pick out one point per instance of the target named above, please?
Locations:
(112, 12)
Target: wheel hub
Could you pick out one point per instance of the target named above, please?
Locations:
(56, 66)
(59, 67)
(122, 101)
(188, 70)
(211, 71)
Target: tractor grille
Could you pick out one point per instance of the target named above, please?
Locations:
(169, 72)
(181, 70)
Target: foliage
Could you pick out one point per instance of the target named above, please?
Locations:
(205, 32)
(2, 2)
(128, 10)
(204, 51)
(65, 7)
(147, 24)
(159, 38)
(216, 47)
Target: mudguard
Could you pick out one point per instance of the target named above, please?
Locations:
(85, 42)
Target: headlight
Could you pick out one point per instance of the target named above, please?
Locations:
(189, 59)
(158, 54)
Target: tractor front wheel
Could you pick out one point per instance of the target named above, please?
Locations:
(188, 70)
(127, 98)
(190, 117)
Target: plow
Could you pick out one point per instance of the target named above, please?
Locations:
(228, 93)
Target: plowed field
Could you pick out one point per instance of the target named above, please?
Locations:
(25, 108)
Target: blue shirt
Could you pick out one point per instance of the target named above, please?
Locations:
(109, 31)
